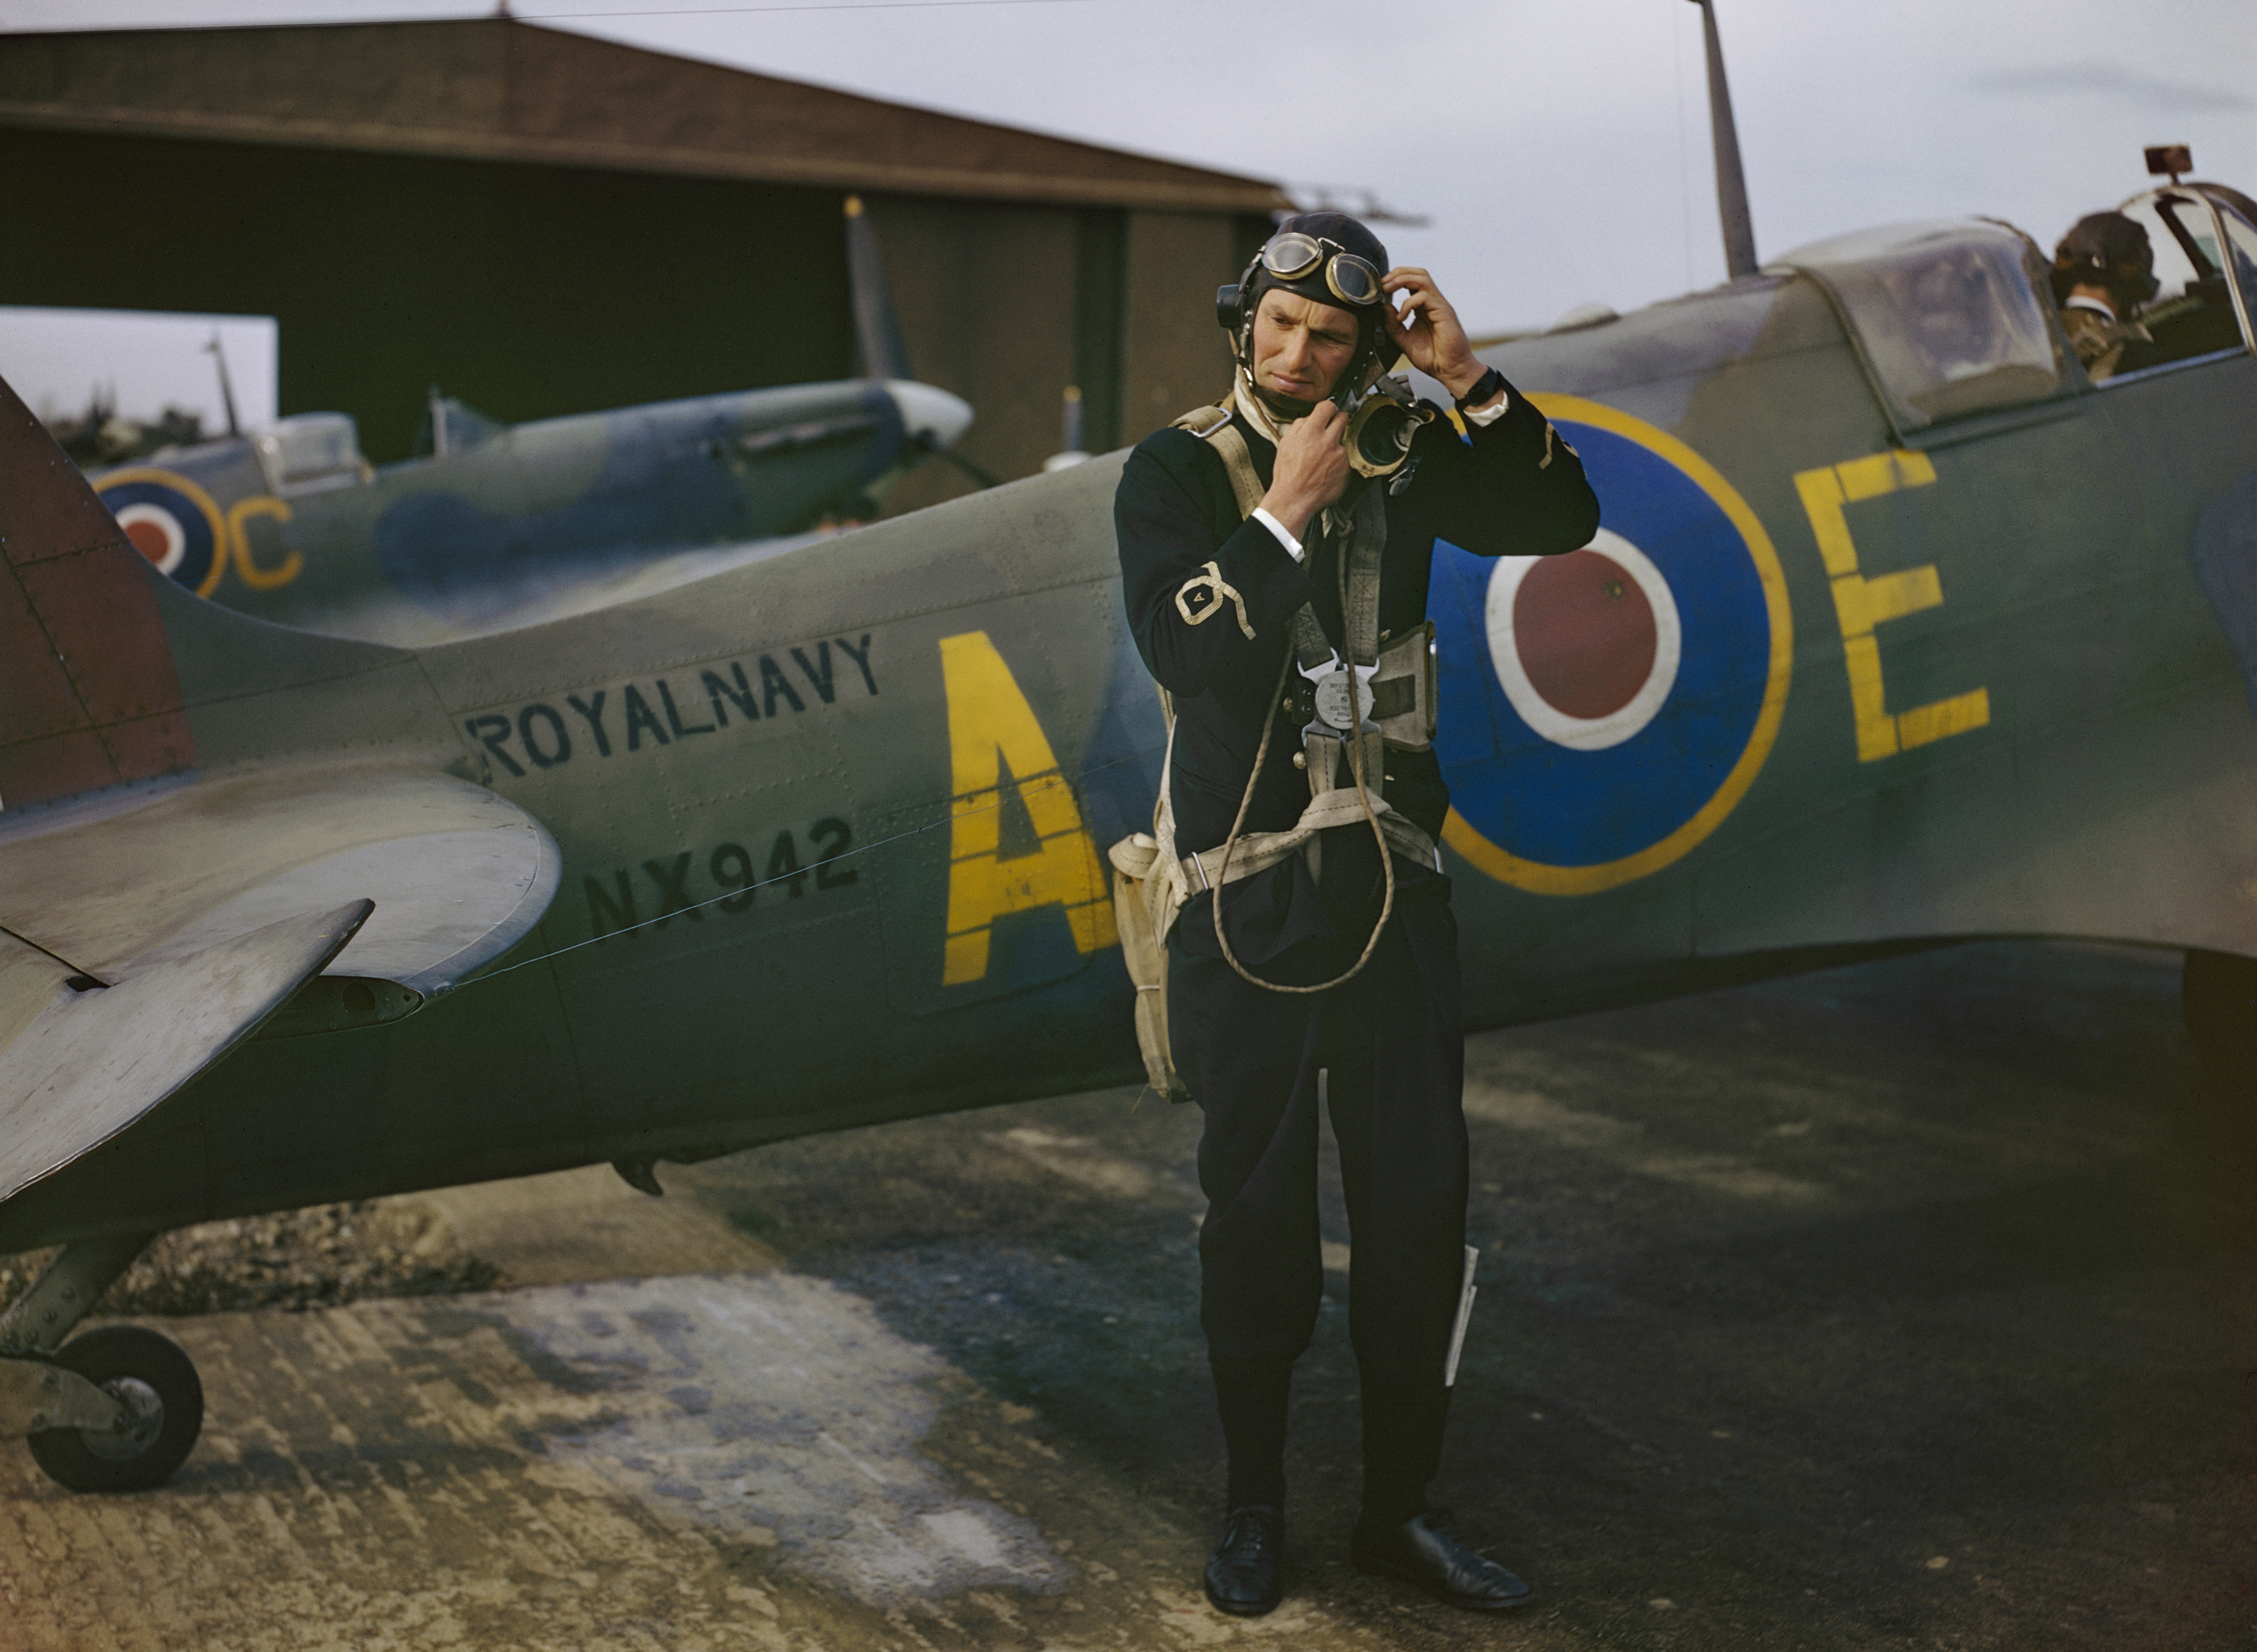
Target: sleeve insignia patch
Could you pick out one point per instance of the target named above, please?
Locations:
(1201, 598)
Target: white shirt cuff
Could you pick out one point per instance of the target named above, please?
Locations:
(1486, 417)
(1292, 545)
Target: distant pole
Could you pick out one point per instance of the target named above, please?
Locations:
(1732, 182)
(226, 389)
(1072, 420)
(1070, 454)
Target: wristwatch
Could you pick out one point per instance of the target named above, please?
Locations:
(1484, 388)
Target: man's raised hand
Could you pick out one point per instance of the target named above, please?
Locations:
(1428, 331)
(1312, 469)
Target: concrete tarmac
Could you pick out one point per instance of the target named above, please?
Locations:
(1906, 1305)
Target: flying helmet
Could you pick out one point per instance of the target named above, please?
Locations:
(1328, 258)
(2106, 249)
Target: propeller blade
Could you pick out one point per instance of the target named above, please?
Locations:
(877, 330)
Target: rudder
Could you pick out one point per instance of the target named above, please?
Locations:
(89, 693)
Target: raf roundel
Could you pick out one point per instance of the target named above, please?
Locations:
(173, 523)
(1585, 645)
(1604, 710)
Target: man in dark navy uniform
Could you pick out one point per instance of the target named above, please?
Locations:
(1212, 589)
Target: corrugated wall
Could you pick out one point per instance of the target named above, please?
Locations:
(529, 291)
(542, 223)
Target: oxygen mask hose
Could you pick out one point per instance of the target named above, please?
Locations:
(1371, 817)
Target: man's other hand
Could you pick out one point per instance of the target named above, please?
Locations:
(1312, 469)
(1426, 328)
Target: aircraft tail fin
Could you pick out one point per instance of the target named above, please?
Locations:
(89, 693)
(452, 425)
(101, 656)
(877, 330)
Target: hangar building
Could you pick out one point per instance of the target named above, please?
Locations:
(545, 223)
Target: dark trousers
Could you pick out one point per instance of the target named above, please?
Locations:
(1387, 1051)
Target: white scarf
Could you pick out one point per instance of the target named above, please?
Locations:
(1257, 414)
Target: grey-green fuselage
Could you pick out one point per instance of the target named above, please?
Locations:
(530, 521)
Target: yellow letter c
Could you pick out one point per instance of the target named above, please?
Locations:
(257, 577)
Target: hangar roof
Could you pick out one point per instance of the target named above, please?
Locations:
(496, 89)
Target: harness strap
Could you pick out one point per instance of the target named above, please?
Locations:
(1368, 524)
(1212, 426)
(1259, 851)
(1167, 880)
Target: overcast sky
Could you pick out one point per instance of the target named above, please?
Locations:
(1560, 151)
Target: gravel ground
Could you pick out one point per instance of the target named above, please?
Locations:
(1909, 1305)
(317, 1258)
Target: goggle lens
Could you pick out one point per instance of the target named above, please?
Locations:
(1353, 278)
(1290, 256)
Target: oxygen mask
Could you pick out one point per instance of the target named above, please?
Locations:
(1382, 423)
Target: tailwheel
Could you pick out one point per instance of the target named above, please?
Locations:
(156, 1383)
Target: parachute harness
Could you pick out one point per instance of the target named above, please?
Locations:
(1368, 702)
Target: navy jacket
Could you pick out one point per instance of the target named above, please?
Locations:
(1512, 489)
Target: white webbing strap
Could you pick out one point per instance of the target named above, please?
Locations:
(1212, 426)
(1170, 882)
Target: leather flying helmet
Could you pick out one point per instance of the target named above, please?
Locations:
(2106, 250)
(1328, 258)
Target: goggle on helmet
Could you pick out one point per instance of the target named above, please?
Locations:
(1290, 255)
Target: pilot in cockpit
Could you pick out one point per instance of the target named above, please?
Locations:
(2102, 271)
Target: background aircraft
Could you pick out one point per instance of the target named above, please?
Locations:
(504, 525)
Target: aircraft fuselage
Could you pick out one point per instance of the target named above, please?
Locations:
(832, 827)
(478, 537)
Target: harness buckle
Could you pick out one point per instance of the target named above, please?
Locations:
(1333, 714)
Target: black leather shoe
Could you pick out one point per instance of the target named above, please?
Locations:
(1424, 1551)
(1241, 1574)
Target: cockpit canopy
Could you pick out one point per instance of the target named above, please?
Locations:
(312, 452)
(1951, 316)
(1957, 316)
(2205, 245)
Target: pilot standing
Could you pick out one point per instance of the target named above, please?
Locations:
(1257, 567)
(2102, 271)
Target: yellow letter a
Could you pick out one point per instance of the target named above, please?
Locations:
(989, 725)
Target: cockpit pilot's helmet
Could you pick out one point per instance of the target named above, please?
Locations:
(2106, 250)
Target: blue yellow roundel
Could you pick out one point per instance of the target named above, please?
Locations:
(173, 523)
(1602, 712)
